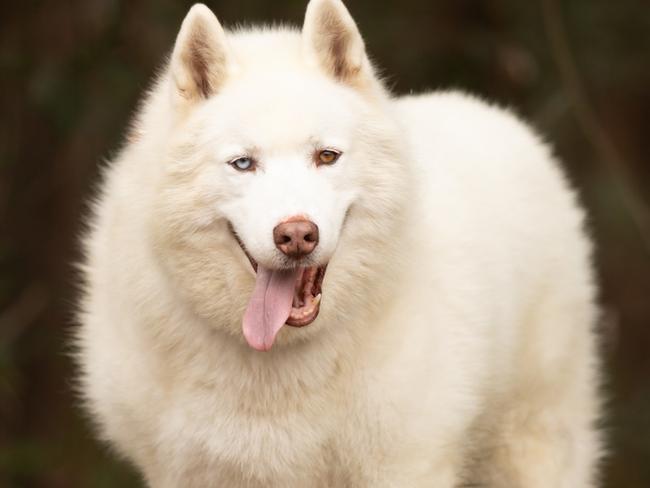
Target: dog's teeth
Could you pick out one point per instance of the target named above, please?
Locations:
(313, 306)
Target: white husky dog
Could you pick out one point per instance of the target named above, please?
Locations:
(294, 279)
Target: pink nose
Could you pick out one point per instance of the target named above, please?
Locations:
(296, 238)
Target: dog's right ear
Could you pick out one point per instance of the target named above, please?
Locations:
(199, 61)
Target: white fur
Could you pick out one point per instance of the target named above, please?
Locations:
(455, 342)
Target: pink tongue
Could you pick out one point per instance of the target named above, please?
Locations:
(269, 306)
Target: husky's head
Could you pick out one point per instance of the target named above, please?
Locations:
(283, 184)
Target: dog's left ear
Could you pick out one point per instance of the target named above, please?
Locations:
(199, 62)
(332, 40)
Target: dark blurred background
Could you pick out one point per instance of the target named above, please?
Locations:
(72, 72)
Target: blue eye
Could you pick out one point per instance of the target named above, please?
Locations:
(243, 163)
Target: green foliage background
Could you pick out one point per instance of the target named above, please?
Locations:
(71, 73)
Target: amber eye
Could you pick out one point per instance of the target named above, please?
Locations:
(327, 156)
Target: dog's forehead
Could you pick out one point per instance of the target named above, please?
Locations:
(278, 107)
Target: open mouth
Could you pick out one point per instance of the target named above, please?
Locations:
(306, 296)
(289, 296)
